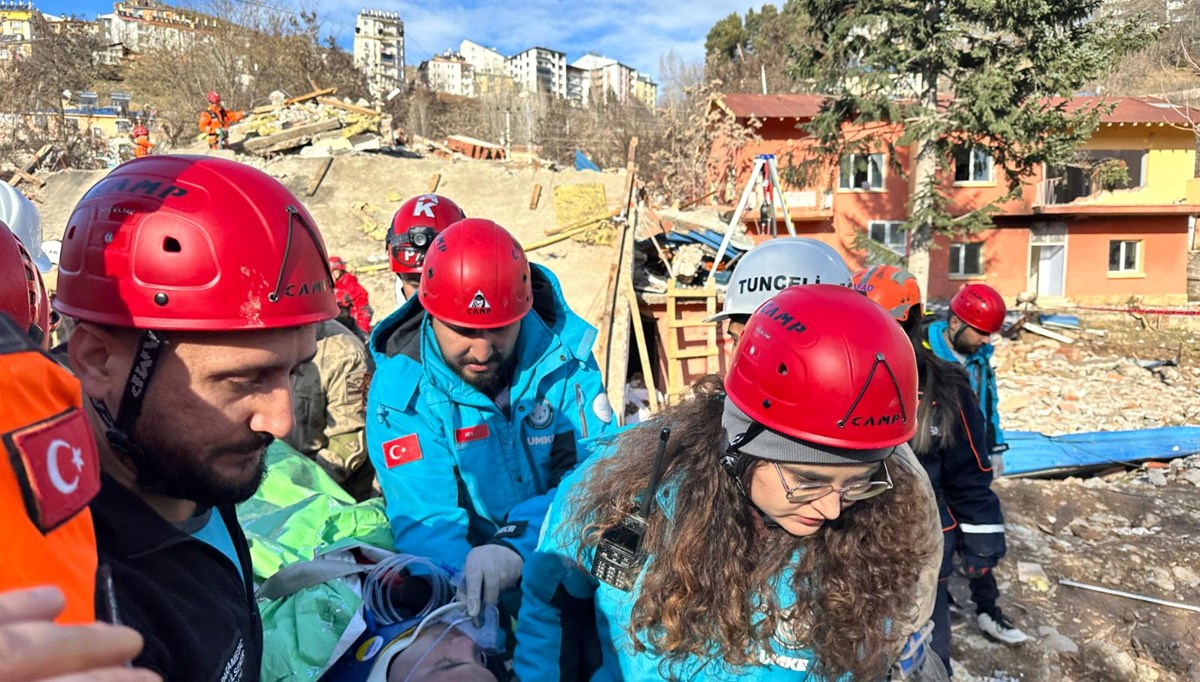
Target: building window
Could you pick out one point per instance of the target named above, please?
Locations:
(966, 259)
(861, 171)
(1124, 256)
(889, 234)
(973, 165)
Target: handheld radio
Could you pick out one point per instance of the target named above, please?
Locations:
(619, 556)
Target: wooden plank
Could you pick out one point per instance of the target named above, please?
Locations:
(352, 108)
(310, 95)
(290, 138)
(533, 198)
(37, 157)
(639, 335)
(617, 362)
(1040, 330)
(434, 181)
(318, 176)
(19, 174)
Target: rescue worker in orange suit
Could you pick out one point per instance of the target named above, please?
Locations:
(346, 283)
(48, 475)
(215, 121)
(141, 141)
(188, 326)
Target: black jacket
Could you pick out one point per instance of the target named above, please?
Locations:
(961, 476)
(197, 615)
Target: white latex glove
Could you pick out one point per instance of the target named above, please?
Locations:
(490, 569)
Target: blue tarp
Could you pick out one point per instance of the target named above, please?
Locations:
(1032, 453)
(582, 162)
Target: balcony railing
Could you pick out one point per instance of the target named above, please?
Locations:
(1057, 191)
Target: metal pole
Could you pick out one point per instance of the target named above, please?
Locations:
(1129, 595)
(787, 216)
(737, 214)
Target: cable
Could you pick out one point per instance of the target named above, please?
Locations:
(391, 574)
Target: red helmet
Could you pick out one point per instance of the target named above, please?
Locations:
(820, 363)
(894, 289)
(476, 276)
(337, 264)
(140, 131)
(980, 306)
(193, 243)
(413, 228)
(22, 295)
(213, 97)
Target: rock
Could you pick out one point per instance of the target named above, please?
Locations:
(1192, 476)
(1161, 577)
(1150, 520)
(1060, 643)
(1106, 658)
(1156, 477)
(1080, 528)
(1012, 402)
(1034, 575)
(1185, 575)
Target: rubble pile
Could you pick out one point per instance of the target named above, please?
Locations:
(1060, 388)
(315, 124)
(1132, 531)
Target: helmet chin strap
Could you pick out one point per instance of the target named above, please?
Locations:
(962, 327)
(119, 431)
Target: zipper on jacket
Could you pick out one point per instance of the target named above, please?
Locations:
(582, 415)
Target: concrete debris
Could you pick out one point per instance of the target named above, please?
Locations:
(314, 125)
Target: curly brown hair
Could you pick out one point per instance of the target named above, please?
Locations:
(709, 576)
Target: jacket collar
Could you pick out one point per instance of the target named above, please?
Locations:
(137, 528)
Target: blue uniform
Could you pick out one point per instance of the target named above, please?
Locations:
(983, 380)
(554, 589)
(456, 470)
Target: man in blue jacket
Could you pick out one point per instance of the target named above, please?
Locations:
(976, 313)
(485, 381)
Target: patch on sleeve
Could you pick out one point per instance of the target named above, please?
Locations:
(511, 530)
(57, 466)
(356, 383)
(401, 450)
(602, 408)
(471, 434)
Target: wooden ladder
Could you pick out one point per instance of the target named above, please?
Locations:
(676, 356)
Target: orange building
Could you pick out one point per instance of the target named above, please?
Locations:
(1117, 222)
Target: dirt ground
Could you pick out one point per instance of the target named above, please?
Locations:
(1134, 529)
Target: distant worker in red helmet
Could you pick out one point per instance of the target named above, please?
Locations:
(413, 228)
(141, 141)
(196, 284)
(764, 529)
(215, 121)
(965, 337)
(347, 287)
(484, 383)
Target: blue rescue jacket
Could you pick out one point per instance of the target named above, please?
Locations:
(983, 379)
(555, 589)
(455, 471)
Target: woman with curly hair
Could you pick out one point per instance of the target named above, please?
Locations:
(786, 538)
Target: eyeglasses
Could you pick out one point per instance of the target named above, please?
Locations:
(881, 482)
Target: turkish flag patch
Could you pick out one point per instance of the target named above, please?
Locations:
(58, 467)
(471, 433)
(401, 450)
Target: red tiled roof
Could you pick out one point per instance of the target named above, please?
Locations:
(1126, 109)
(1134, 110)
(772, 106)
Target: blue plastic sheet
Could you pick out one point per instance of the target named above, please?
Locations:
(1032, 453)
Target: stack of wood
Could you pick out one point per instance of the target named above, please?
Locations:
(316, 124)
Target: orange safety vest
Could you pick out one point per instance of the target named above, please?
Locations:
(50, 471)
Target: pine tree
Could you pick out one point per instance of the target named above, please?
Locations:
(958, 75)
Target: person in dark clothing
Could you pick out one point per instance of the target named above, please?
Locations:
(185, 357)
(950, 443)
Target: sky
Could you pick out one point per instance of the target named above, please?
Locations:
(634, 32)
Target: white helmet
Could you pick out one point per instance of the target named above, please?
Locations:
(22, 218)
(775, 265)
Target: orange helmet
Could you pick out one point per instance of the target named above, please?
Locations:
(894, 289)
